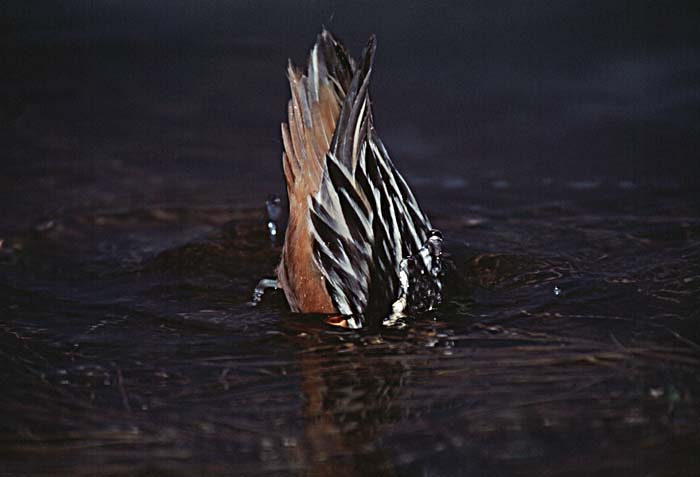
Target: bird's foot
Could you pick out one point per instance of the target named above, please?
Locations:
(263, 285)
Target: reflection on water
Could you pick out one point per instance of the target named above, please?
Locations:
(130, 345)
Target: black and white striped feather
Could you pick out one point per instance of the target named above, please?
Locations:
(364, 217)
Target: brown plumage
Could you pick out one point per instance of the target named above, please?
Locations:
(307, 139)
(357, 240)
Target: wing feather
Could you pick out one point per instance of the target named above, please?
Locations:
(312, 113)
(364, 218)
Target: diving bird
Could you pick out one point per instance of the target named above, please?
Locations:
(357, 242)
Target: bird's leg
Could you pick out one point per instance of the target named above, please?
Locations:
(273, 207)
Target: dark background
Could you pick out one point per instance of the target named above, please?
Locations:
(129, 102)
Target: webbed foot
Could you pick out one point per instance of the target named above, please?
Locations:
(263, 285)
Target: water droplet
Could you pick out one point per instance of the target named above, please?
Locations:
(656, 392)
(272, 229)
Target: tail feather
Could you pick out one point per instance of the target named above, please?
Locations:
(338, 63)
(353, 120)
(312, 112)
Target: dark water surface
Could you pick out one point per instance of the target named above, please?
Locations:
(556, 149)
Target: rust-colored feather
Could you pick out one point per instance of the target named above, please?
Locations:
(312, 113)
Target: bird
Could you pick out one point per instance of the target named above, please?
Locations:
(357, 241)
